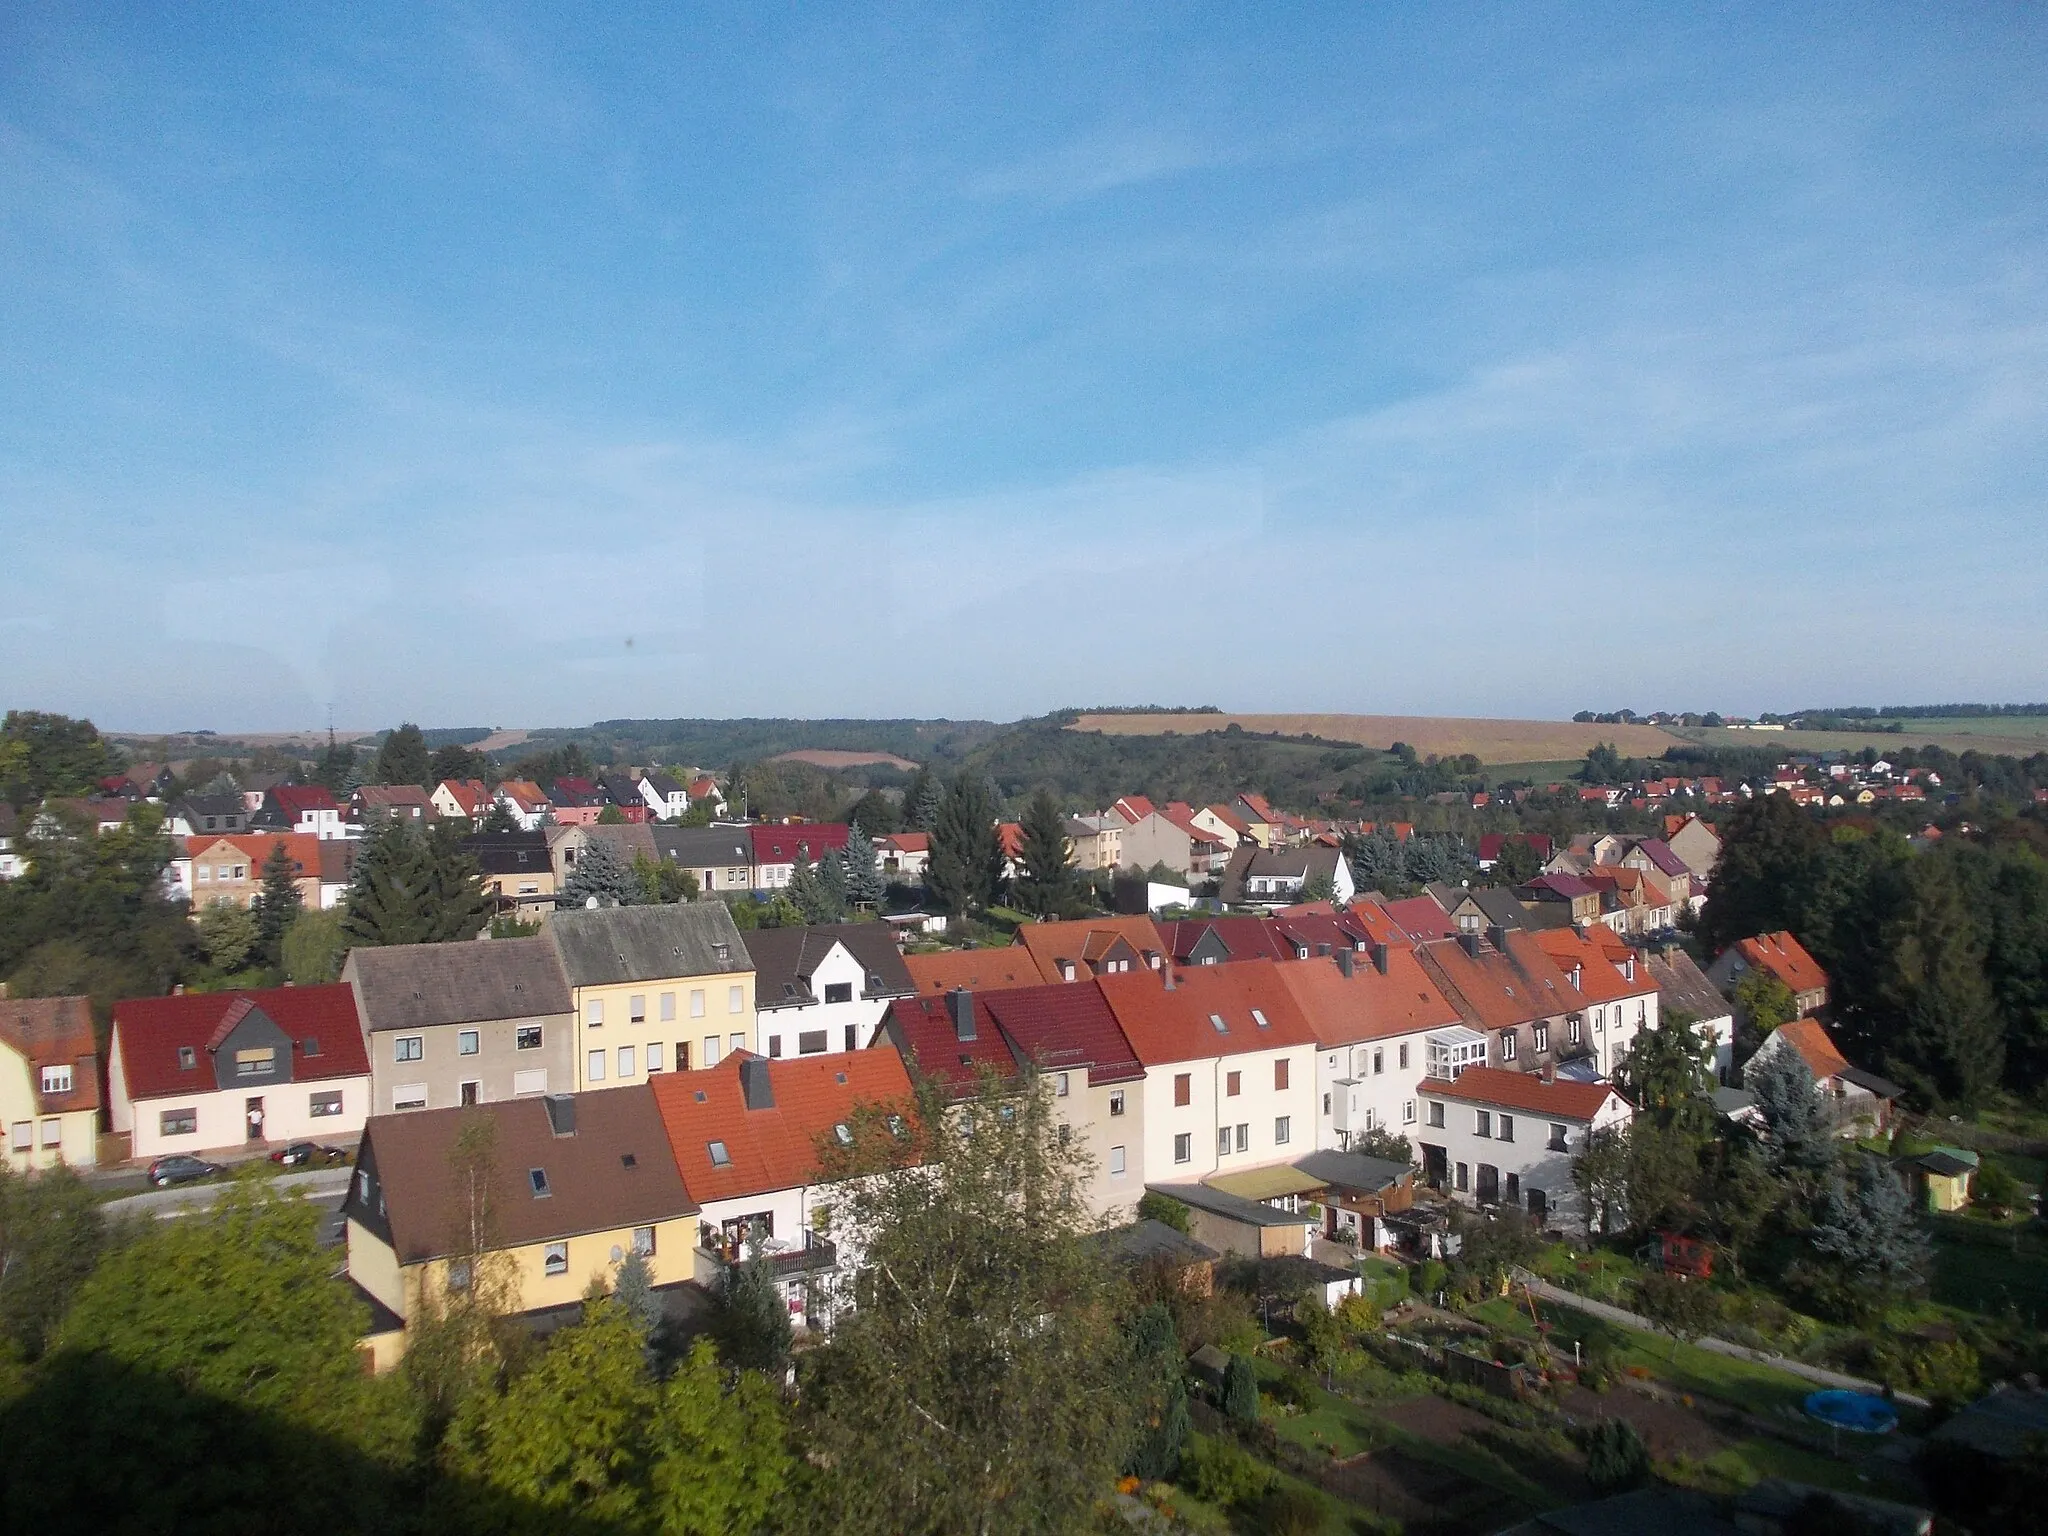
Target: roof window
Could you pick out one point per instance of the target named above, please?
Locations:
(1216, 1019)
(187, 1057)
(310, 1045)
(1260, 1019)
(628, 1161)
(700, 1095)
(841, 1076)
(720, 1158)
(538, 1178)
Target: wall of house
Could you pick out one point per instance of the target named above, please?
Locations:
(499, 1068)
(1381, 1092)
(1211, 1105)
(779, 1030)
(71, 1138)
(1529, 1157)
(222, 1122)
(1227, 1236)
(1104, 1118)
(374, 1266)
(703, 1012)
(1155, 840)
(590, 1258)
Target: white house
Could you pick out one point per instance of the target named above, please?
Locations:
(825, 987)
(1496, 1137)
(220, 1071)
(663, 793)
(1229, 1067)
(1275, 876)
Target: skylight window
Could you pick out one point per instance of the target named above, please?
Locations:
(700, 1095)
(1259, 1019)
(187, 1057)
(1216, 1019)
(720, 1158)
(844, 1133)
(538, 1178)
(628, 1160)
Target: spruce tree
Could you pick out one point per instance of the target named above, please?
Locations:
(457, 907)
(805, 893)
(1048, 885)
(1241, 1391)
(403, 758)
(753, 1321)
(1937, 1017)
(1799, 1137)
(865, 886)
(601, 873)
(966, 868)
(832, 886)
(923, 799)
(388, 896)
(1867, 1227)
(279, 904)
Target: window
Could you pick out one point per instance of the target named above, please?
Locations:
(1401, 1055)
(1507, 1045)
(1260, 1019)
(627, 1066)
(56, 1079)
(1116, 1162)
(811, 1042)
(529, 1037)
(1379, 1062)
(668, 1007)
(468, 1042)
(534, 1080)
(187, 1057)
(593, 1013)
(654, 1056)
(643, 1242)
(1514, 1189)
(1482, 1123)
(1244, 1137)
(258, 1062)
(1556, 1137)
(1280, 1073)
(1506, 1129)
(720, 1158)
(1436, 1115)
(408, 1048)
(736, 1042)
(838, 991)
(711, 1051)
(1539, 1037)
(775, 1047)
(1407, 1111)
(1066, 1134)
(1464, 1178)
(1283, 1126)
(172, 1122)
(24, 1135)
(1571, 1030)
(538, 1179)
(458, 1274)
(1232, 1083)
(1183, 1088)
(1326, 1103)
(735, 1000)
(1216, 1023)
(593, 1066)
(1222, 1141)
(310, 1045)
(636, 1008)
(556, 1259)
(1116, 1102)
(1183, 1148)
(53, 1132)
(322, 1105)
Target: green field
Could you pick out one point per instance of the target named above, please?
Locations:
(1991, 1270)
(2001, 735)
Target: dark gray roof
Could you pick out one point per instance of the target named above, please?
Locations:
(510, 853)
(1143, 1241)
(213, 805)
(1645, 1512)
(786, 958)
(704, 847)
(1500, 906)
(662, 784)
(1231, 1207)
(1352, 1170)
(1883, 1087)
(1733, 1101)
(1682, 984)
(1999, 1425)
(1944, 1164)
(602, 945)
(412, 986)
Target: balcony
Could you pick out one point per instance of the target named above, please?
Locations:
(789, 1258)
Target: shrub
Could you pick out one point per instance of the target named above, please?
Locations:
(1616, 1457)
(1163, 1208)
(1219, 1472)
(1290, 1510)
(1994, 1189)
(1429, 1279)
(1241, 1391)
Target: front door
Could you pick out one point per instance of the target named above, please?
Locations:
(1488, 1186)
(253, 1113)
(1435, 1165)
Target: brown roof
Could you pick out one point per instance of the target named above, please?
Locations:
(591, 1186)
(1366, 1005)
(1495, 989)
(978, 970)
(1050, 943)
(54, 1032)
(1524, 1091)
(1785, 958)
(1683, 986)
(416, 986)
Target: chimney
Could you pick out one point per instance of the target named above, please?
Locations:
(1344, 963)
(1322, 949)
(757, 1091)
(561, 1114)
(1471, 943)
(1379, 958)
(1497, 936)
(1546, 1073)
(960, 1003)
(1167, 972)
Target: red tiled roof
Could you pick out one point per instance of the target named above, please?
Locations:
(149, 1030)
(1568, 886)
(1785, 958)
(1600, 977)
(978, 970)
(469, 794)
(704, 787)
(1367, 1005)
(1246, 938)
(302, 848)
(1231, 819)
(772, 1148)
(1050, 943)
(1497, 988)
(924, 1030)
(1011, 835)
(1525, 1092)
(300, 798)
(810, 840)
(54, 1032)
(1421, 918)
(1134, 808)
(523, 793)
(909, 842)
(1174, 1025)
(1182, 815)
(1491, 843)
(1065, 1028)
(1814, 1047)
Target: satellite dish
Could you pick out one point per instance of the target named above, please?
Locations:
(618, 1253)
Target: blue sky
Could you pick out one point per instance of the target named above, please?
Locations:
(510, 366)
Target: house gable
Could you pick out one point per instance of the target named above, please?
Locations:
(250, 1051)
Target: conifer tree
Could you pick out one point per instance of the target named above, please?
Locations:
(279, 903)
(923, 799)
(966, 868)
(865, 886)
(403, 758)
(1936, 1014)
(832, 886)
(1867, 1227)
(1799, 1136)
(1048, 885)
(601, 873)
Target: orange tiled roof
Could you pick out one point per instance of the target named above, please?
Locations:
(978, 970)
(302, 848)
(1366, 1005)
(1814, 1047)
(1050, 943)
(1524, 1091)
(1167, 1025)
(1785, 958)
(1496, 989)
(54, 1032)
(1600, 975)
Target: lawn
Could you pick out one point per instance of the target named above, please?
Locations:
(1751, 1461)
(1994, 1271)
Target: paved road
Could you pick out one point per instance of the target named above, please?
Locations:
(325, 1186)
(1813, 1373)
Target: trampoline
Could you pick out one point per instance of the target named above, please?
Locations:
(1859, 1412)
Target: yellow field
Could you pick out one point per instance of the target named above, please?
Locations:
(1491, 741)
(831, 757)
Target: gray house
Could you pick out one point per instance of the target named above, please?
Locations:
(454, 1024)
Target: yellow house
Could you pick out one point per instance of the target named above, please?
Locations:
(549, 1200)
(49, 1082)
(656, 989)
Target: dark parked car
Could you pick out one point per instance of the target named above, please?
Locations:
(179, 1169)
(308, 1154)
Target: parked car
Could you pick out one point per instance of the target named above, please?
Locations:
(308, 1154)
(179, 1169)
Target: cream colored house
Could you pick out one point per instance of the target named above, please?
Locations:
(49, 1082)
(654, 989)
(570, 1186)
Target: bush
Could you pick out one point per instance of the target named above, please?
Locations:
(1616, 1457)
(1241, 1391)
(1429, 1279)
(1215, 1470)
(1291, 1510)
(1946, 1370)
(1163, 1208)
(1994, 1190)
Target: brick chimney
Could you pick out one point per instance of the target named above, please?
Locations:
(1546, 1073)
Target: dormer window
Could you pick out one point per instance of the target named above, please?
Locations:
(188, 1058)
(56, 1080)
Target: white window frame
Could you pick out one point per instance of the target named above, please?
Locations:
(468, 1042)
(593, 1065)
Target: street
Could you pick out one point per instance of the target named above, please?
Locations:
(324, 1187)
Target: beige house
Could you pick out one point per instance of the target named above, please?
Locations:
(654, 989)
(568, 1187)
(456, 1024)
(230, 869)
(49, 1082)
(1095, 842)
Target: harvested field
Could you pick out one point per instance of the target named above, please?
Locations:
(1491, 741)
(828, 758)
(1668, 1429)
(498, 740)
